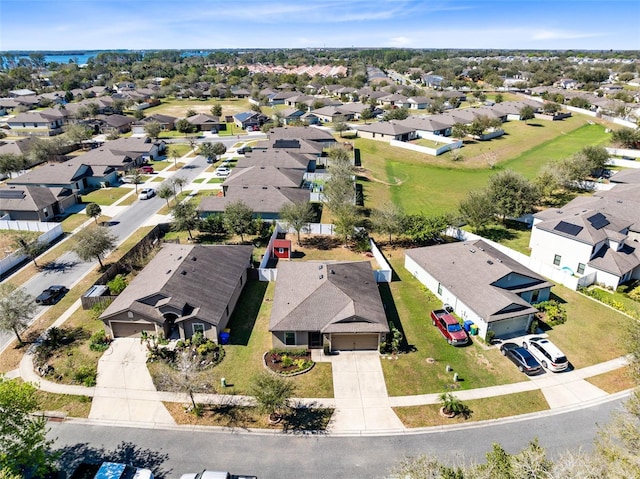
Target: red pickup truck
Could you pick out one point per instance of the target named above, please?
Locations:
(449, 327)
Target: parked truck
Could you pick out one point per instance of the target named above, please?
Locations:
(449, 327)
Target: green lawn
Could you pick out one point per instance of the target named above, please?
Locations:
(418, 182)
(250, 339)
(580, 338)
(180, 149)
(513, 234)
(105, 196)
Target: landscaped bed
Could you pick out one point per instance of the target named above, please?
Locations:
(288, 362)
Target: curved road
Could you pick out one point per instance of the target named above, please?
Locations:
(174, 451)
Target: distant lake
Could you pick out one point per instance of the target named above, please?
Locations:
(82, 58)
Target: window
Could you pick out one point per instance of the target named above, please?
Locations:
(556, 259)
(581, 267)
(290, 338)
(439, 288)
(198, 328)
(535, 295)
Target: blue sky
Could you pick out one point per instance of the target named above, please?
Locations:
(210, 24)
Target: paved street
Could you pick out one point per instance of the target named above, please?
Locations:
(68, 269)
(175, 450)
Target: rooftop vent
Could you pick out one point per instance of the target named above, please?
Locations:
(320, 277)
(168, 272)
(183, 273)
(489, 261)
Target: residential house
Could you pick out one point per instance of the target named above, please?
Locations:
(394, 100)
(285, 158)
(34, 203)
(290, 115)
(249, 119)
(264, 176)
(21, 93)
(266, 201)
(185, 289)
(482, 285)
(36, 123)
(307, 147)
(137, 146)
(166, 122)
(386, 131)
(278, 98)
(318, 303)
(114, 123)
(432, 81)
(17, 147)
(204, 122)
(301, 133)
(429, 125)
(332, 114)
(628, 176)
(418, 102)
(595, 238)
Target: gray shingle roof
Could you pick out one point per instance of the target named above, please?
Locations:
(472, 270)
(266, 176)
(327, 297)
(197, 280)
(261, 199)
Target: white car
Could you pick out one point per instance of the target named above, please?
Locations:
(222, 171)
(547, 353)
(146, 193)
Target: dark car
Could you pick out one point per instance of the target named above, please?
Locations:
(52, 294)
(521, 357)
(244, 149)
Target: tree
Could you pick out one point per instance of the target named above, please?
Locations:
(499, 98)
(477, 209)
(138, 114)
(272, 393)
(153, 129)
(173, 154)
(387, 220)
(32, 249)
(25, 450)
(179, 181)
(136, 178)
(367, 114)
(626, 137)
(219, 149)
(238, 218)
(216, 110)
(190, 112)
(165, 191)
(17, 307)
(94, 211)
(396, 114)
(77, 132)
(459, 130)
(11, 163)
(423, 229)
(183, 126)
(206, 150)
(596, 157)
(94, 242)
(213, 224)
(185, 217)
(297, 216)
(512, 194)
(527, 113)
(340, 126)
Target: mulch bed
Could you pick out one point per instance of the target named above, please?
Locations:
(274, 362)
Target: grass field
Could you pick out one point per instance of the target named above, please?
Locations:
(105, 196)
(419, 182)
(178, 108)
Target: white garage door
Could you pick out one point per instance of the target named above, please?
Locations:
(350, 342)
(509, 327)
(131, 330)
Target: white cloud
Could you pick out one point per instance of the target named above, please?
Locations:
(562, 35)
(400, 42)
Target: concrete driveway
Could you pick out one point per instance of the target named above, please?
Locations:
(362, 402)
(124, 390)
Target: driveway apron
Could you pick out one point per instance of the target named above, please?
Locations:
(124, 390)
(362, 402)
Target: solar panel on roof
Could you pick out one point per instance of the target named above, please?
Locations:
(12, 194)
(568, 228)
(598, 221)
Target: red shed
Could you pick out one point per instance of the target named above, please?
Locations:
(282, 248)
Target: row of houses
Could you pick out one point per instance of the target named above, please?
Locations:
(48, 190)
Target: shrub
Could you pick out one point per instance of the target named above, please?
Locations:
(287, 361)
(635, 294)
(85, 375)
(556, 314)
(197, 339)
(117, 285)
(99, 341)
(208, 347)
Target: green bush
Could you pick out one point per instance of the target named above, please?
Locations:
(86, 375)
(634, 294)
(556, 314)
(117, 285)
(287, 361)
(99, 341)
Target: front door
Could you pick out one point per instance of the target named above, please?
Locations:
(315, 339)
